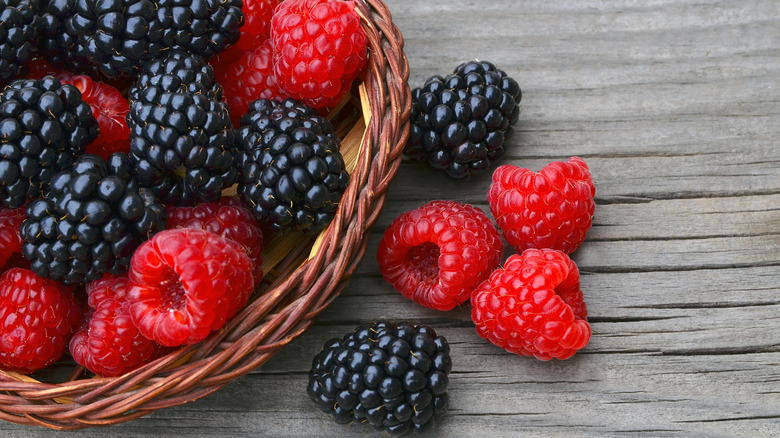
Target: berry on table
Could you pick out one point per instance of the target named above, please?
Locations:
(533, 306)
(394, 377)
(460, 123)
(225, 218)
(292, 171)
(44, 125)
(37, 319)
(181, 138)
(552, 208)
(19, 27)
(110, 109)
(320, 49)
(186, 283)
(438, 253)
(107, 343)
(90, 222)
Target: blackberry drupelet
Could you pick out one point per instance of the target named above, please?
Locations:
(460, 122)
(90, 223)
(120, 36)
(292, 172)
(44, 126)
(181, 137)
(393, 377)
(19, 23)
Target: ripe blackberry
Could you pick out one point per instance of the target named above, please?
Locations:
(19, 23)
(460, 122)
(44, 126)
(181, 137)
(292, 173)
(91, 222)
(119, 36)
(393, 377)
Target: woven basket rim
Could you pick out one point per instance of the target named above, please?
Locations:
(282, 312)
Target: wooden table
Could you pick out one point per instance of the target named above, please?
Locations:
(675, 105)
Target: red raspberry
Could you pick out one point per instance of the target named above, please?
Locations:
(110, 109)
(10, 240)
(436, 254)
(257, 22)
(320, 49)
(533, 306)
(549, 209)
(37, 318)
(227, 219)
(38, 68)
(186, 283)
(108, 344)
(247, 78)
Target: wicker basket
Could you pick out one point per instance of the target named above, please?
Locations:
(301, 284)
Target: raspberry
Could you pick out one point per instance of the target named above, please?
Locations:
(393, 377)
(436, 254)
(320, 49)
(257, 22)
(249, 77)
(186, 283)
(107, 343)
(110, 109)
(533, 306)
(10, 240)
(38, 68)
(227, 219)
(37, 319)
(549, 209)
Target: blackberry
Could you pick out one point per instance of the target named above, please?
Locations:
(292, 172)
(44, 126)
(91, 221)
(393, 377)
(19, 23)
(181, 137)
(459, 123)
(120, 36)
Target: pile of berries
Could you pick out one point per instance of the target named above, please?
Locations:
(122, 124)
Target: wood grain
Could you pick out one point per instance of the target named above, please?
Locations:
(675, 105)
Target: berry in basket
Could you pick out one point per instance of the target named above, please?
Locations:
(533, 306)
(19, 22)
(460, 122)
(392, 376)
(110, 109)
(38, 317)
(90, 222)
(181, 138)
(45, 125)
(107, 343)
(437, 253)
(10, 240)
(292, 171)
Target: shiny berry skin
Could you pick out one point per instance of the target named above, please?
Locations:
(320, 49)
(37, 319)
(257, 22)
(10, 240)
(393, 377)
(438, 253)
(110, 109)
(91, 221)
(19, 29)
(292, 172)
(552, 208)
(460, 123)
(186, 283)
(227, 219)
(533, 306)
(107, 343)
(247, 78)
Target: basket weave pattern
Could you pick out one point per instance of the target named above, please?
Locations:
(301, 288)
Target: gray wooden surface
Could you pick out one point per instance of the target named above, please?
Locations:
(675, 105)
